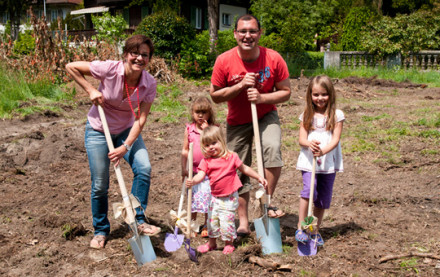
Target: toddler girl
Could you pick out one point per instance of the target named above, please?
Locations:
(202, 115)
(319, 135)
(220, 165)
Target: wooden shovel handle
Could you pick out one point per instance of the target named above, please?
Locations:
(125, 197)
(257, 139)
(312, 188)
(190, 176)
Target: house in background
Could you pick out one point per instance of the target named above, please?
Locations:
(196, 11)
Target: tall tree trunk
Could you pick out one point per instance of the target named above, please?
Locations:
(213, 22)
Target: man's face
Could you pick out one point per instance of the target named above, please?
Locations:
(247, 34)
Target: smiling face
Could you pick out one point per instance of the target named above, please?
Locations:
(320, 98)
(213, 149)
(247, 34)
(138, 60)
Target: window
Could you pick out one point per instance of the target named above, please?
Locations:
(226, 19)
(196, 17)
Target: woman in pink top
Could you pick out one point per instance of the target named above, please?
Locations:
(220, 165)
(126, 92)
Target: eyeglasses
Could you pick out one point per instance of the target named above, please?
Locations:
(244, 32)
(136, 54)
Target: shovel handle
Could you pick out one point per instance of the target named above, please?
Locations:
(312, 188)
(257, 139)
(125, 197)
(190, 176)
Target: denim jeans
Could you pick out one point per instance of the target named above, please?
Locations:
(137, 157)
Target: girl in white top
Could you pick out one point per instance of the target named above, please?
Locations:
(319, 135)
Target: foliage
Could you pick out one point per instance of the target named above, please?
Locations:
(169, 32)
(110, 28)
(304, 62)
(25, 44)
(403, 34)
(355, 20)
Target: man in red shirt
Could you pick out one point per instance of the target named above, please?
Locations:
(251, 73)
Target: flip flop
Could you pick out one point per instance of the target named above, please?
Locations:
(98, 242)
(205, 248)
(144, 227)
(228, 249)
(274, 212)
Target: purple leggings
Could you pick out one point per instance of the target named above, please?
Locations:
(322, 196)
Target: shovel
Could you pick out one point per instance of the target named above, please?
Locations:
(191, 251)
(174, 241)
(267, 229)
(309, 248)
(141, 245)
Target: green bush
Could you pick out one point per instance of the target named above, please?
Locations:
(355, 20)
(309, 61)
(273, 41)
(110, 28)
(25, 44)
(169, 32)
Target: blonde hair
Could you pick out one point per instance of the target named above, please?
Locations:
(204, 104)
(324, 82)
(211, 134)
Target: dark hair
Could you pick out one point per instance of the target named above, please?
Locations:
(132, 44)
(247, 17)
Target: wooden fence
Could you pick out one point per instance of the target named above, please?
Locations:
(423, 60)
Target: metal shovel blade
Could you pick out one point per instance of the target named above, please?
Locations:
(271, 239)
(307, 248)
(173, 241)
(191, 251)
(144, 253)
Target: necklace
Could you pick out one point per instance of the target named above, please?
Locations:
(129, 100)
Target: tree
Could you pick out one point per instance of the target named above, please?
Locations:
(213, 23)
(15, 9)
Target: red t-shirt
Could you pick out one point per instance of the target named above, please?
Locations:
(222, 174)
(230, 69)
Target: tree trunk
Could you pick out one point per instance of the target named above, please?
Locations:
(213, 22)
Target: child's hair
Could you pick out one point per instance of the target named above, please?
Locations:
(211, 134)
(325, 82)
(203, 104)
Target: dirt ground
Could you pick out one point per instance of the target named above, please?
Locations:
(379, 208)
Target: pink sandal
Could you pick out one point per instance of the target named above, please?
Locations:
(228, 249)
(205, 248)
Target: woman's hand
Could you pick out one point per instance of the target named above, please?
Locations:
(96, 97)
(116, 155)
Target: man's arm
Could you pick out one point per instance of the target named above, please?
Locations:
(281, 94)
(220, 95)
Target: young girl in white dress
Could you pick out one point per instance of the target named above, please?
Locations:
(319, 135)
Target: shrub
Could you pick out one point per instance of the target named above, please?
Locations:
(309, 61)
(169, 32)
(25, 44)
(110, 28)
(355, 20)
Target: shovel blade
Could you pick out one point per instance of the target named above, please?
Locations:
(191, 251)
(143, 253)
(307, 248)
(173, 242)
(271, 239)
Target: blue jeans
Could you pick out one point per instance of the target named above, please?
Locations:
(137, 157)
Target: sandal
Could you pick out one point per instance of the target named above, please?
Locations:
(317, 239)
(274, 212)
(148, 230)
(301, 236)
(228, 249)
(98, 242)
(205, 248)
(204, 232)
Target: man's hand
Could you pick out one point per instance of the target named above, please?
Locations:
(249, 80)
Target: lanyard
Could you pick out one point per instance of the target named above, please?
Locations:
(129, 100)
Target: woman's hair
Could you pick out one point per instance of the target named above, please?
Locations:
(203, 104)
(132, 44)
(212, 134)
(324, 82)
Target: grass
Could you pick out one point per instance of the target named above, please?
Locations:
(168, 104)
(430, 78)
(20, 97)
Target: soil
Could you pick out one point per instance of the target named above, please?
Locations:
(379, 208)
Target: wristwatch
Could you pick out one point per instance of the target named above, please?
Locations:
(128, 147)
